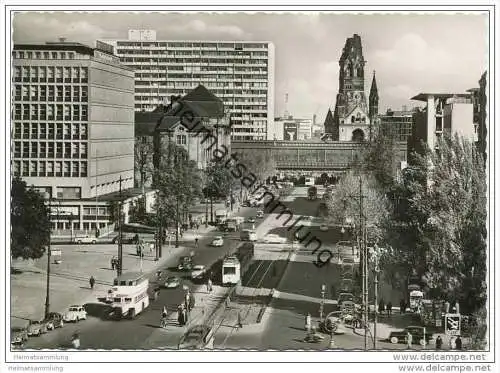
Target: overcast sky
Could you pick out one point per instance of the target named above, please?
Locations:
(410, 53)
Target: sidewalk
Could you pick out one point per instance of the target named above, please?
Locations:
(205, 305)
(69, 281)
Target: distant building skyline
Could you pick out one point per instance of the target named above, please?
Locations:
(410, 53)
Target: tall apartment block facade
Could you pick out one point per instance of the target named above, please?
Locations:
(73, 127)
(445, 115)
(396, 124)
(241, 73)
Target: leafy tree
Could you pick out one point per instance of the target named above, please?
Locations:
(441, 229)
(219, 181)
(30, 222)
(143, 159)
(345, 205)
(179, 185)
(262, 164)
(380, 159)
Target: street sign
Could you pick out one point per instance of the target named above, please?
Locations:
(56, 252)
(452, 324)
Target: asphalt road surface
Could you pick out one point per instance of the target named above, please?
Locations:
(97, 332)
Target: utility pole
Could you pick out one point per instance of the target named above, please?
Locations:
(47, 295)
(362, 243)
(177, 221)
(376, 271)
(120, 236)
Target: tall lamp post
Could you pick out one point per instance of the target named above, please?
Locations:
(322, 304)
(47, 294)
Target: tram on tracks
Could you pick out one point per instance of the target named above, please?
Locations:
(235, 265)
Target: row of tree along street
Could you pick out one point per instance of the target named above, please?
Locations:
(431, 220)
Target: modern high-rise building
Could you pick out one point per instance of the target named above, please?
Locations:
(445, 115)
(291, 128)
(241, 73)
(73, 126)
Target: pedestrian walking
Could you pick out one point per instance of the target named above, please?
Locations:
(209, 285)
(239, 325)
(381, 307)
(409, 340)
(458, 343)
(92, 282)
(439, 343)
(389, 309)
(308, 322)
(113, 263)
(185, 315)
(196, 242)
(402, 306)
(75, 340)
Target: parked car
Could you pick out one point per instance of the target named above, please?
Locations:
(127, 238)
(84, 239)
(36, 328)
(260, 214)
(54, 321)
(218, 241)
(323, 227)
(75, 313)
(198, 271)
(274, 238)
(417, 333)
(172, 282)
(250, 220)
(18, 335)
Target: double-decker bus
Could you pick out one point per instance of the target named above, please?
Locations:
(129, 295)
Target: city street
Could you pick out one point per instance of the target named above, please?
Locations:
(97, 332)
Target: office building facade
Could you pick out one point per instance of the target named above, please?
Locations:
(240, 73)
(73, 127)
(445, 115)
(396, 124)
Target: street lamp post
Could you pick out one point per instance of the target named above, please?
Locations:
(322, 304)
(47, 294)
(376, 272)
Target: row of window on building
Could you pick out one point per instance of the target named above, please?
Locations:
(169, 62)
(60, 74)
(45, 55)
(50, 131)
(47, 149)
(50, 112)
(195, 54)
(219, 76)
(50, 168)
(71, 93)
(211, 85)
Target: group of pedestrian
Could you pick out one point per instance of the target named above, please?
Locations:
(438, 343)
(382, 307)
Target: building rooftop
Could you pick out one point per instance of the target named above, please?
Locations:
(424, 96)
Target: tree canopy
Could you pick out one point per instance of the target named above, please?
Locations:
(439, 229)
(30, 222)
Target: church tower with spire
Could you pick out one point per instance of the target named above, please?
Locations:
(351, 118)
(373, 102)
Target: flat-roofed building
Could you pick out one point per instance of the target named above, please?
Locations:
(73, 127)
(241, 73)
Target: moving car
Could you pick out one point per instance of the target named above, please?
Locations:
(323, 227)
(248, 235)
(36, 328)
(417, 333)
(274, 238)
(250, 220)
(54, 320)
(75, 313)
(218, 241)
(260, 214)
(18, 336)
(343, 297)
(84, 239)
(197, 272)
(172, 282)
